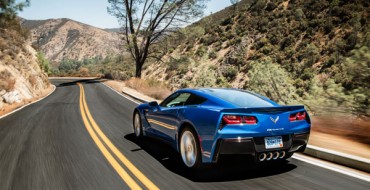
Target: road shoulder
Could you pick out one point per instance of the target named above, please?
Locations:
(12, 108)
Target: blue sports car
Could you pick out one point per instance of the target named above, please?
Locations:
(202, 124)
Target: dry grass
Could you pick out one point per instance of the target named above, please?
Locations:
(7, 81)
(351, 127)
(33, 80)
(149, 87)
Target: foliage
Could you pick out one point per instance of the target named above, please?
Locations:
(356, 77)
(145, 22)
(43, 62)
(9, 9)
(179, 65)
(318, 48)
(119, 67)
(271, 80)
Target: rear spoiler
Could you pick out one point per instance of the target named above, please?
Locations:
(278, 109)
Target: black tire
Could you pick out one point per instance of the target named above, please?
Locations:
(190, 149)
(137, 125)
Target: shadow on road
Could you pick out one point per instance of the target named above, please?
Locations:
(227, 169)
(84, 81)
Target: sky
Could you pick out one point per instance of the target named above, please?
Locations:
(92, 12)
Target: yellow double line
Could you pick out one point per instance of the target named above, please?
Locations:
(98, 136)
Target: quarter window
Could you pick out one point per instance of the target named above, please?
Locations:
(177, 99)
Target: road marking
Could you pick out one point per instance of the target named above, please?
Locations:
(113, 148)
(127, 97)
(121, 172)
(333, 167)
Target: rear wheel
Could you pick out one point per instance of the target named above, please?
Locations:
(138, 128)
(190, 149)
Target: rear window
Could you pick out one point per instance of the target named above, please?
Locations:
(239, 98)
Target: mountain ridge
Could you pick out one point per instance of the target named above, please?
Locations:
(66, 39)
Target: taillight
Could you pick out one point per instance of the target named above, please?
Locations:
(250, 119)
(297, 116)
(235, 119)
(232, 119)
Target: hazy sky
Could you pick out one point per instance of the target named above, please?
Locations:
(92, 12)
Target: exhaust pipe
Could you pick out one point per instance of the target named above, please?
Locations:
(269, 156)
(262, 157)
(282, 154)
(276, 155)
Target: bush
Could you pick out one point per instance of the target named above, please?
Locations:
(271, 80)
(179, 65)
(7, 81)
(227, 21)
(43, 63)
(212, 55)
(200, 51)
(230, 73)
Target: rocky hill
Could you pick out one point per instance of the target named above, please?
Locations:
(66, 39)
(315, 52)
(21, 77)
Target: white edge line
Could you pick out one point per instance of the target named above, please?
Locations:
(127, 97)
(322, 165)
(294, 156)
(28, 104)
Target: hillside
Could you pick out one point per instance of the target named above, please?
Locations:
(314, 52)
(65, 39)
(21, 78)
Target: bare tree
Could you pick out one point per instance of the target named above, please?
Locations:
(145, 22)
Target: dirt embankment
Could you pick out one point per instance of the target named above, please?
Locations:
(21, 79)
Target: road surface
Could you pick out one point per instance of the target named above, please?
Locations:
(81, 137)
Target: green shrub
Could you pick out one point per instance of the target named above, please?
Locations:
(212, 55)
(43, 63)
(201, 51)
(230, 73)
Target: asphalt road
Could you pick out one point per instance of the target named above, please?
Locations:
(54, 144)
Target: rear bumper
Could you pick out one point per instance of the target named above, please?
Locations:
(255, 145)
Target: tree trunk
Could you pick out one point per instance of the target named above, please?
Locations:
(139, 67)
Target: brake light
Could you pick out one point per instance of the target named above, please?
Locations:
(301, 115)
(235, 119)
(232, 119)
(297, 116)
(293, 117)
(250, 119)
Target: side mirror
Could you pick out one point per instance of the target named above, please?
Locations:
(153, 104)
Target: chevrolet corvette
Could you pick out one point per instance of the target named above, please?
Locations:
(202, 124)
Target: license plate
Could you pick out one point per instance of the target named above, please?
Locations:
(273, 142)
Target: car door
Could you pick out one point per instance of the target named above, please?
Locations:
(164, 121)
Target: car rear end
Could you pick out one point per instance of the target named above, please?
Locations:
(267, 134)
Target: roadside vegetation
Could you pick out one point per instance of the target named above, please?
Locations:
(312, 52)
(111, 67)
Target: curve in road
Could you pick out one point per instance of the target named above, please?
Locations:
(47, 146)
